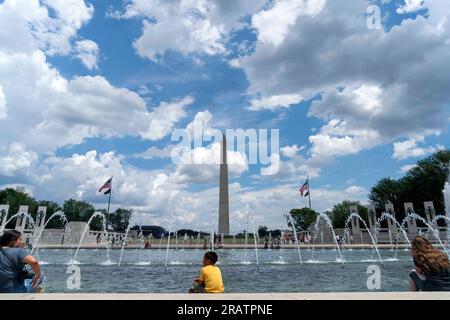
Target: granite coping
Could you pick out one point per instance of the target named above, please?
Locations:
(234, 296)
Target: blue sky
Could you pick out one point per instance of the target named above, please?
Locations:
(101, 85)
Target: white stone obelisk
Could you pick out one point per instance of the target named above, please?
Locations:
(224, 216)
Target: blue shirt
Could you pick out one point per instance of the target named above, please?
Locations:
(11, 262)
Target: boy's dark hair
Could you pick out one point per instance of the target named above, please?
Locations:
(8, 236)
(211, 256)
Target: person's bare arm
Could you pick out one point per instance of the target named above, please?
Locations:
(34, 264)
(412, 285)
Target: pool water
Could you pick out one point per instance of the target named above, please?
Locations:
(145, 271)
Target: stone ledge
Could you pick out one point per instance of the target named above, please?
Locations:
(234, 296)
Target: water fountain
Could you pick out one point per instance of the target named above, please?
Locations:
(26, 215)
(294, 227)
(211, 239)
(124, 241)
(197, 245)
(168, 246)
(59, 214)
(324, 217)
(245, 247)
(374, 243)
(96, 214)
(413, 215)
(385, 216)
(160, 241)
(256, 243)
(447, 202)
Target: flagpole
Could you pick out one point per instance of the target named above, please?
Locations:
(109, 202)
(309, 195)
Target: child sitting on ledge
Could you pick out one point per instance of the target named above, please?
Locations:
(210, 280)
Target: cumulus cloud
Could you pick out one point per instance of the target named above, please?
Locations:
(411, 6)
(290, 151)
(154, 152)
(410, 149)
(374, 93)
(275, 102)
(65, 112)
(273, 23)
(201, 165)
(186, 26)
(336, 138)
(17, 158)
(50, 25)
(88, 52)
(62, 111)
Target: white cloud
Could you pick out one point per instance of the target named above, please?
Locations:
(190, 36)
(359, 102)
(88, 52)
(234, 63)
(202, 165)
(154, 152)
(17, 158)
(358, 90)
(290, 151)
(410, 149)
(275, 102)
(65, 112)
(49, 25)
(273, 167)
(273, 24)
(200, 126)
(3, 110)
(407, 167)
(164, 117)
(411, 6)
(336, 139)
(198, 26)
(356, 190)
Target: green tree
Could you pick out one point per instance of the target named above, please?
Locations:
(76, 210)
(302, 218)
(386, 190)
(120, 219)
(424, 182)
(341, 212)
(15, 198)
(262, 231)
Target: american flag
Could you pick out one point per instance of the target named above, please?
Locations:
(106, 186)
(305, 187)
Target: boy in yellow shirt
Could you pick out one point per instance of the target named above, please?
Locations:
(210, 280)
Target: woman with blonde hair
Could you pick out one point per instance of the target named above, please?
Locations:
(432, 267)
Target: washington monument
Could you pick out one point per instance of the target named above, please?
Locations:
(224, 216)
